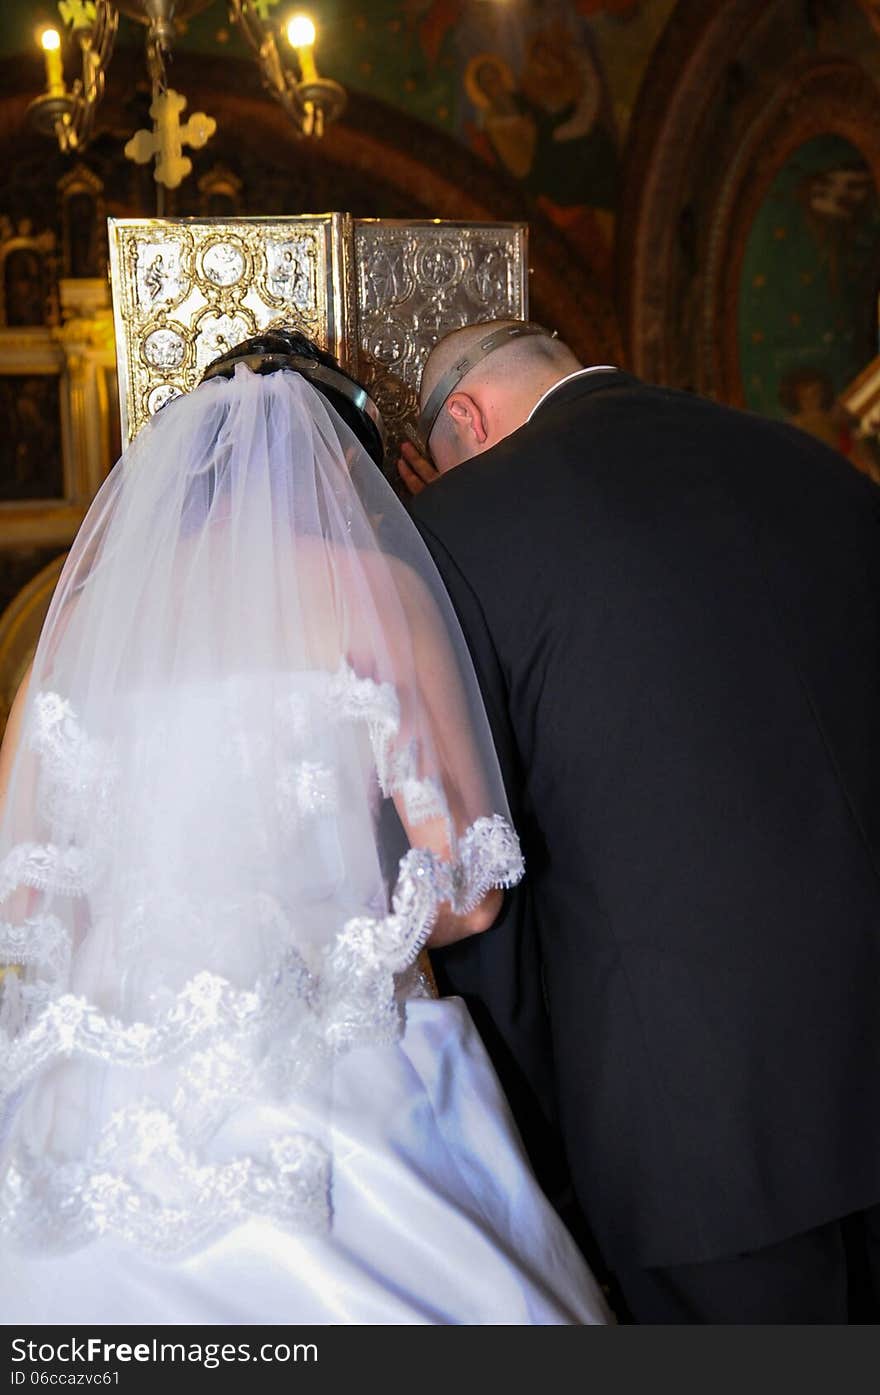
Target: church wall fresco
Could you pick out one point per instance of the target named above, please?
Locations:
(542, 90)
(810, 273)
(746, 226)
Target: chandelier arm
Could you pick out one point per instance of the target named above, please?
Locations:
(68, 114)
(276, 78)
(96, 49)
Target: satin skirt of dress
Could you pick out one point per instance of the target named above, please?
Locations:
(437, 1219)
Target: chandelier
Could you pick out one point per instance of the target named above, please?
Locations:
(283, 48)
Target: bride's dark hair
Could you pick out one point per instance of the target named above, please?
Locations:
(276, 350)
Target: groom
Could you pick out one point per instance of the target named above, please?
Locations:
(674, 611)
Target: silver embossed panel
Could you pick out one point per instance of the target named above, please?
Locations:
(417, 281)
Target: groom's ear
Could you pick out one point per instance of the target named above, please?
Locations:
(468, 418)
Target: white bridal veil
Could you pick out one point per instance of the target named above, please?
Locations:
(254, 762)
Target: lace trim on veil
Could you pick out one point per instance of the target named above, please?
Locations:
(212, 1028)
(350, 1001)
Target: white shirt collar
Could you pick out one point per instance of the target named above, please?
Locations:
(578, 373)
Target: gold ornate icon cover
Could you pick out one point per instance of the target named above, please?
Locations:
(377, 293)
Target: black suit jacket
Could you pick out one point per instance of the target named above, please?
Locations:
(674, 612)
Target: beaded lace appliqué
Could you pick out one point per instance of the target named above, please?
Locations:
(101, 1195)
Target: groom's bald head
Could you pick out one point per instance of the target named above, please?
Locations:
(494, 396)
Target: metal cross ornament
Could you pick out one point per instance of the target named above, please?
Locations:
(168, 137)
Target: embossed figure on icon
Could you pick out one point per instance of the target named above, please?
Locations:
(158, 276)
(287, 272)
(154, 278)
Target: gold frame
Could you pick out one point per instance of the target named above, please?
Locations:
(186, 295)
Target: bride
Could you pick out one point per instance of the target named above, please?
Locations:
(248, 779)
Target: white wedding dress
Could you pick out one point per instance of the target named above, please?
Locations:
(254, 764)
(437, 1218)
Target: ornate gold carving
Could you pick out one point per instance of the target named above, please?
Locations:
(184, 290)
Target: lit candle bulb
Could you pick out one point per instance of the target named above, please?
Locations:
(50, 41)
(301, 37)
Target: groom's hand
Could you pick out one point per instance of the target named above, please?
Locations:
(415, 469)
